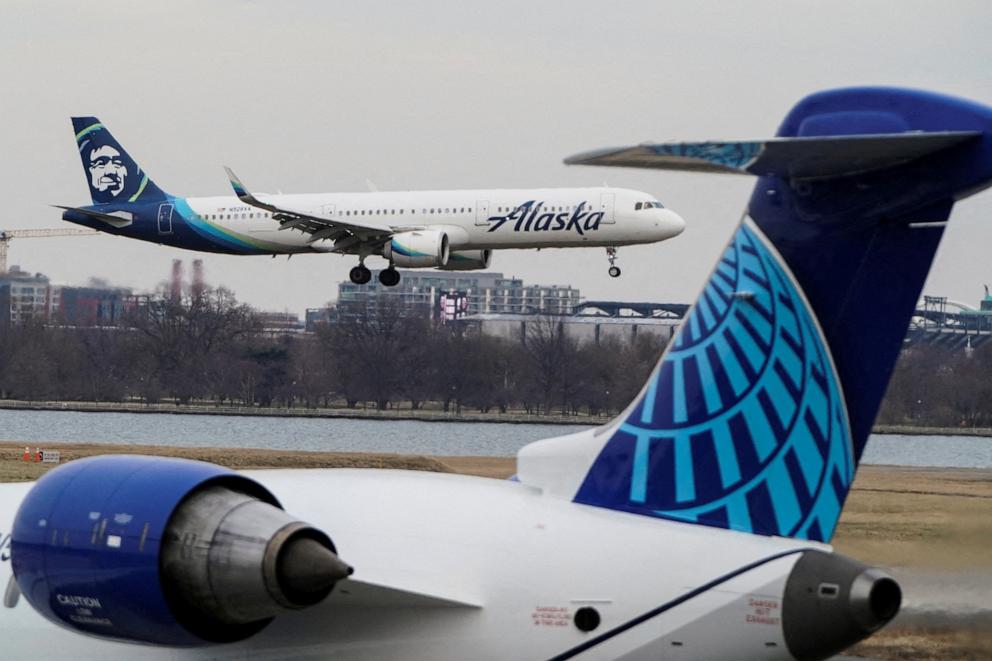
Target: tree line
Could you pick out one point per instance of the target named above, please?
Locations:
(936, 387)
(209, 348)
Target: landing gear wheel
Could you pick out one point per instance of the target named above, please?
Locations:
(611, 255)
(389, 277)
(360, 275)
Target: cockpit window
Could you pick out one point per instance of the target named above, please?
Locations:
(653, 204)
(637, 207)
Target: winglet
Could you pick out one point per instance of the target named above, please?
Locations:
(239, 188)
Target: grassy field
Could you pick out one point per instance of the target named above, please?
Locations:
(915, 517)
(14, 469)
(894, 516)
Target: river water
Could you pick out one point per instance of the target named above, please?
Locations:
(402, 436)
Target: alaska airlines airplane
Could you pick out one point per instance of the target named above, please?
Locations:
(696, 525)
(449, 230)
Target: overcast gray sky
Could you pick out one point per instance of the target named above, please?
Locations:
(307, 96)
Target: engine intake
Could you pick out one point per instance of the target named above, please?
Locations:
(832, 602)
(165, 551)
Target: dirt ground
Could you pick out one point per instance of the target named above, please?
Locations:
(926, 644)
(13, 468)
(895, 517)
(917, 517)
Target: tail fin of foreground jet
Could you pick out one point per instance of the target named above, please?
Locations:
(111, 173)
(756, 416)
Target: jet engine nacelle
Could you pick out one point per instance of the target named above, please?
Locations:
(165, 551)
(468, 260)
(420, 248)
(832, 602)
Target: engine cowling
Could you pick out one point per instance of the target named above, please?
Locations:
(165, 551)
(832, 601)
(468, 260)
(420, 248)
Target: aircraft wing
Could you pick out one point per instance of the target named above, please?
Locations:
(797, 158)
(317, 227)
(363, 593)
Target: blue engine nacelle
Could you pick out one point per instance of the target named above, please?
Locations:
(164, 551)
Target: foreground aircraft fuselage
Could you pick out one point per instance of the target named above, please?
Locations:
(695, 525)
(454, 567)
(449, 230)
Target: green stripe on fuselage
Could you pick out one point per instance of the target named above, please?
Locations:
(224, 236)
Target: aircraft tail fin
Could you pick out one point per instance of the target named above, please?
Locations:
(111, 174)
(758, 412)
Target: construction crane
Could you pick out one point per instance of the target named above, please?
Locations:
(6, 236)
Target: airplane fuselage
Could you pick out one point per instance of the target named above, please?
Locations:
(509, 589)
(471, 219)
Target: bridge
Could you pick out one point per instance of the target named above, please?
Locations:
(940, 321)
(625, 309)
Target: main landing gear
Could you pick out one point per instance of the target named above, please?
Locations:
(360, 275)
(389, 277)
(611, 254)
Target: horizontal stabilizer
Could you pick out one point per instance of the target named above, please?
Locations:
(116, 219)
(792, 157)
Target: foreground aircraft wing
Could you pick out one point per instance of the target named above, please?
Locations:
(319, 228)
(365, 593)
(795, 158)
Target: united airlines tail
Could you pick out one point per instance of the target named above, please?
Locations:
(756, 416)
(111, 174)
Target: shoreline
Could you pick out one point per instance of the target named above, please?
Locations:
(421, 415)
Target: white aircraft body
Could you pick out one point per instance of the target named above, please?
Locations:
(695, 525)
(448, 230)
(475, 568)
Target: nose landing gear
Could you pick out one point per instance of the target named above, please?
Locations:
(611, 254)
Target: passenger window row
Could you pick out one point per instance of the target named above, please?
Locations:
(232, 216)
(544, 207)
(505, 208)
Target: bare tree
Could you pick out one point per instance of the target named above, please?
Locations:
(369, 347)
(550, 356)
(185, 335)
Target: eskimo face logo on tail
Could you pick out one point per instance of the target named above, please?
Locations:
(108, 173)
(111, 173)
(531, 216)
